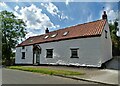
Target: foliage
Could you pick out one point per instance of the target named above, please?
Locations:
(13, 30)
(115, 40)
(46, 70)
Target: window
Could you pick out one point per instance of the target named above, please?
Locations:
(49, 53)
(54, 35)
(23, 55)
(65, 33)
(30, 40)
(46, 37)
(23, 47)
(106, 34)
(74, 53)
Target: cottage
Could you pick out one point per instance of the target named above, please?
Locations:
(87, 44)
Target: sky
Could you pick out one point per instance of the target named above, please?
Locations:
(57, 15)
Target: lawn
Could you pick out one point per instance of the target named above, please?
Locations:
(46, 70)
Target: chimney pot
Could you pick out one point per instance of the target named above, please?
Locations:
(104, 16)
(47, 30)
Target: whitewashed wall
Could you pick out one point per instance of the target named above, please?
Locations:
(106, 45)
(28, 53)
(89, 52)
(92, 51)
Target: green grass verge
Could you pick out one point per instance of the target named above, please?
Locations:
(46, 70)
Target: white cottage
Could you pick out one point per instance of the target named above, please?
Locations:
(87, 44)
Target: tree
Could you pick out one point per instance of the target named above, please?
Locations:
(115, 39)
(13, 30)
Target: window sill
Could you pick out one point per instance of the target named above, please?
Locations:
(74, 57)
(23, 58)
(49, 57)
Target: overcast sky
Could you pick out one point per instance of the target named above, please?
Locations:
(58, 15)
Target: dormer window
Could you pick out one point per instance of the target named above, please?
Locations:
(106, 34)
(65, 33)
(30, 40)
(46, 37)
(54, 35)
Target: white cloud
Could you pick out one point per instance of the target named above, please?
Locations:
(17, 0)
(2, 4)
(89, 18)
(51, 8)
(35, 19)
(63, 16)
(30, 34)
(68, 1)
(16, 8)
(112, 15)
(118, 33)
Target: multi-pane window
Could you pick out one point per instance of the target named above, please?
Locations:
(106, 34)
(23, 55)
(74, 53)
(49, 53)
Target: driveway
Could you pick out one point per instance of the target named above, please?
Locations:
(114, 63)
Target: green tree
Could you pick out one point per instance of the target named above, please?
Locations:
(115, 39)
(13, 30)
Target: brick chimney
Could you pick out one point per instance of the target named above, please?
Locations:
(104, 16)
(46, 31)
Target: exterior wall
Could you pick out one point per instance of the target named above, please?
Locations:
(89, 52)
(106, 45)
(28, 55)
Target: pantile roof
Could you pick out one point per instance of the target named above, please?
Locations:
(90, 29)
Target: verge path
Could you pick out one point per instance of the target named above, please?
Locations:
(106, 76)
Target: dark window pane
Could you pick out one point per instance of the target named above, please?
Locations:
(105, 34)
(49, 53)
(23, 47)
(23, 55)
(74, 53)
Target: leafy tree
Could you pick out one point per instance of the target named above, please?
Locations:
(115, 39)
(13, 30)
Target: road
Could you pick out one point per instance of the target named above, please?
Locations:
(10, 76)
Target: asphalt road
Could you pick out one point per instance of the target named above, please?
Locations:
(16, 77)
(10, 76)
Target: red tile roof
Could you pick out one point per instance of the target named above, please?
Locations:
(91, 29)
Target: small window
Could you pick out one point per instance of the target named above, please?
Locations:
(49, 53)
(54, 35)
(74, 53)
(46, 37)
(106, 34)
(23, 47)
(30, 40)
(23, 55)
(65, 33)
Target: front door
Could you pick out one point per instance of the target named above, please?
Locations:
(36, 57)
(36, 54)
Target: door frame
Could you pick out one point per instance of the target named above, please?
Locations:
(36, 50)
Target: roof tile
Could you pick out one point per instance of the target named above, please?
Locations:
(94, 28)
